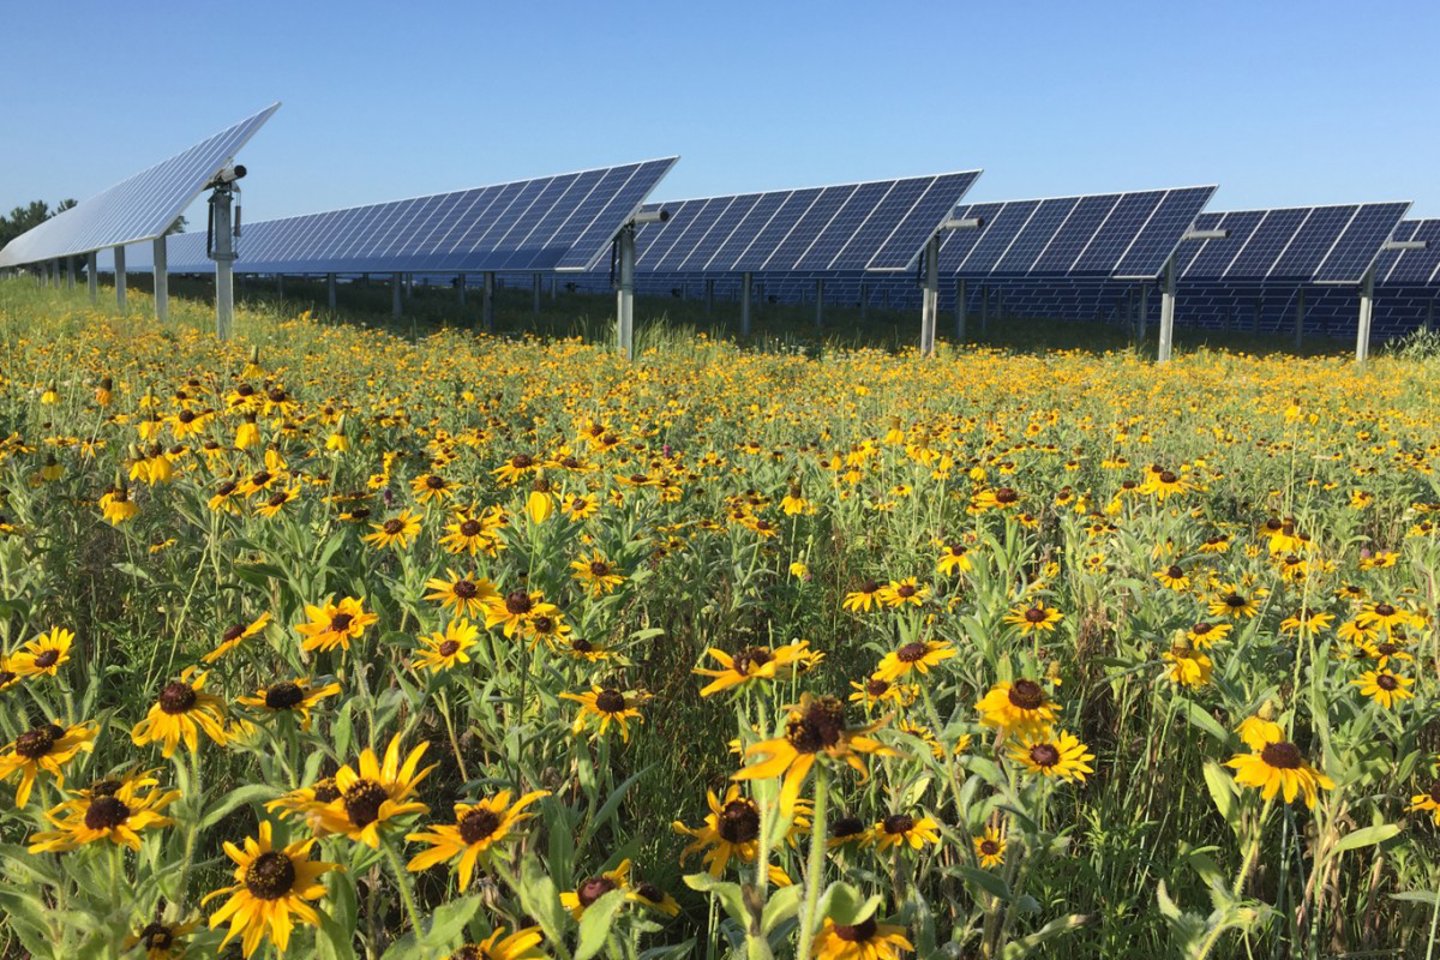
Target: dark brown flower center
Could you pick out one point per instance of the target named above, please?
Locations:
(1167, 477)
(270, 876)
(363, 800)
(1386, 681)
(1386, 649)
(847, 827)
(478, 824)
(581, 645)
(177, 697)
(340, 623)
(649, 891)
(284, 695)
(1236, 602)
(819, 728)
(157, 936)
(47, 658)
(36, 743)
(739, 822)
(105, 788)
(1174, 572)
(1281, 756)
(877, 688)
(392, 527)
(106, 813)
(1027, 695)
(898, 823)
(326, 791)
(1035, 615)
(465, 589)
(989, 847)
(470, 528)
(261, 478)
(1045, 755)
(856, 933)
(449, 648)
(751, 658)
(1435, 791)
(1384, 610)
(234, 633)
(518, 603)
(869, 586)
(599, 568)
(905, 590)
(593, 889)
(1006, 495)
(1200, 629)
(911, 653)
(543, 625)
(435, 482)
(610, 700)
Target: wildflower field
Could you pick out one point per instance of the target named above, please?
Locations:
(328, 642)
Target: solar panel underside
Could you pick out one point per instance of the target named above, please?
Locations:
(551, 223)
(141, 208)
(1128, 235)
(878, 226)
(1328, 244)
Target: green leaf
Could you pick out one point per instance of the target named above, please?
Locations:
(1023, 945)
(1222, 791)
(1427, 897)
(540, 900)
(241, 795)
(985, 880)
(846, 905)
(1367, 836)
(727, 893)
(449, 922)
(1168, 908)
(1201, 719)
(596, 923)
(783, 904)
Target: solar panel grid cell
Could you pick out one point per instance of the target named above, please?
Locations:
(1020, 256)
(1357, 247)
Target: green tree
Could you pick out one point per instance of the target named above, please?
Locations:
(28, 217)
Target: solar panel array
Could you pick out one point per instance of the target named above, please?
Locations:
(881, 225)
(1107, 235)
(1411, 267)
(549, 223)
(141, 208)
(1327, 244)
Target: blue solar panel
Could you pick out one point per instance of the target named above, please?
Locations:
(881, 225)
(1123, 224)
(956, 245)
(1069, 241)
(141, 208)
(1034, 238)
(1412, 266)
(1312, 242)
(1160, 237)
(1001, 232)
(1266, 244)
(1358, 246)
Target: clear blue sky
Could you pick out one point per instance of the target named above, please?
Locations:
(1279, 102)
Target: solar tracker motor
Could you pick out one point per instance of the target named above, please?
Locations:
(228, 174)
(652, 216)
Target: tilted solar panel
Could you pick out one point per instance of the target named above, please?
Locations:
(1129, 235)
(1322, 244)
(1412, 267)
(878, 226)
(140, 208)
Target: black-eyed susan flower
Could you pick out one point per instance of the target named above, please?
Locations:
(990, 847)
(432, 486)
(1387, 616)
(866, 940)
(902, 829)
(1020, 707)
(373, 792)
(1058, 754)
(901, 593)
(915, 657)
(750, 664)
(396, 532)
(515, 611)
(1035, 616)
(864, 597)
(606, 705)
(1203, 634)
(44, 655)
(236, 635)
(845, 831)
(1258, 730)
(731, 831)
(579, 506)
(589, 890)
(1384, 687)
(1174, 578)
(520, 945)
(45, 749)
(652, 897)
(446, 650)
(272, 889)
(477, 829)
(1188, 667)
(116, 811)
(335, 624)
(160, 940)
(596, 573)
(1000, 498)
(293, 697)
(1279, 767)
(305, 803)
(815, 727)
(1428, 802)
(468, 533)
(466, 594)
(874, 692)
(954, 558)
(1306, 622)
(181, 711)
(1231, 604)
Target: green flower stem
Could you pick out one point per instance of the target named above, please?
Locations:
(402, 880)
(815, 870)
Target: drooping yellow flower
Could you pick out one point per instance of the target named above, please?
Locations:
(335, 624)
(1020, 707)
(866, 940)
(478, 827)
(1188, 666)
(270, 886)
(1279, 767)
(606, 705)
(731, 831)
(236, 635)
(815, 727)
(44, 655)
(1428, 802)
(45, 749)
(372, 793)
(295, 697)
(117, 507)
(180, 712)
(751, 664)
(1258, 731)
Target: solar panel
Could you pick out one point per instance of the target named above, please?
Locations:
(1129, 235)
(1322, 244)
(877, 226)
(1411, 266)
(523, 227)
(140, 208)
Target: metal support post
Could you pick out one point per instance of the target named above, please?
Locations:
(1258, 308)
(819, 304)
(409, 286)
(1367, 306)
(396, 281)
(330, 290)
(280, 286)
(864, 300)
(1299, 318)
(535, 283)
(1430, 315)
(984, 310)
(120, 278)
(487, 302)
(554, 287)
(69, 273)
(624, 294)
(960, 305)
(92, 280)
(1167, 313)
(460, 290)
(930, 298)
(223, 253)
(1144, 311)
(746, 281)
(162, 281)
(709, 295)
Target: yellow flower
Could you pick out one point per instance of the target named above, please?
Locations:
(46, 654)
(1276, 767)
(593, 888)
(608, 705)
(235, 635)
(1020, 707)
(397, 532)
(905, 592)
(865, 598)
(270, 885)
(291, 696)
(917, 657)
(162, 941)
(442, 651)
(752, 663)
(596, 573)
(1188, 666)
(517, 612)
(866, 940)
(1384, 687)
(1057, 754)
(520, 945)
(117, 507)
(901, 829)
(1258, 731)
(990, 847)
(731, 831)
(372, 793)
(1428, 802)
(1034, 617)
(118, 812)
(181, 711)
(955, 558)
(432, 486)
(477, 828)
(44, 749)
(815, 726)
(335, 624)
(468, 595)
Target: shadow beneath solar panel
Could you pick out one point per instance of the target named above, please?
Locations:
(432, 305)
